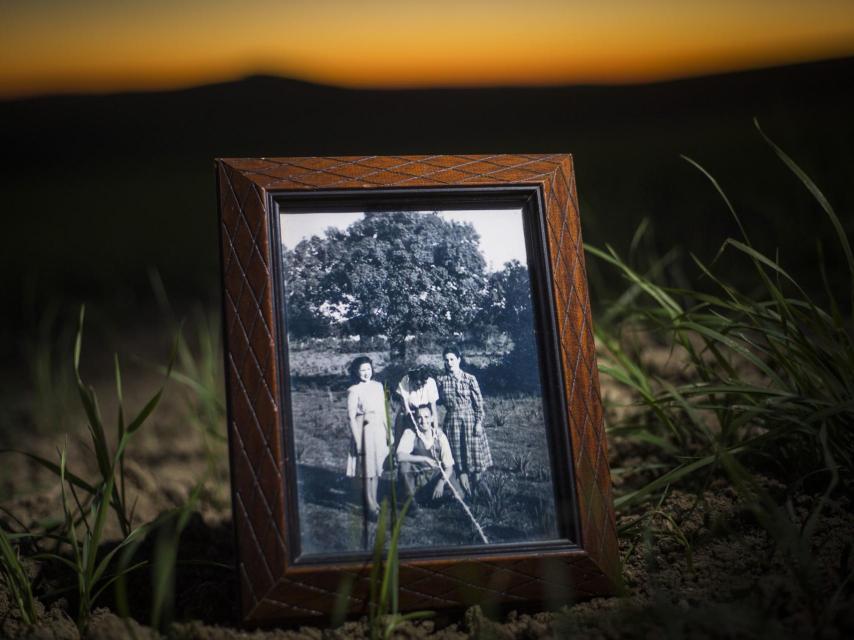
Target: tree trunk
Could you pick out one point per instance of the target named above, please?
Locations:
(398, 351)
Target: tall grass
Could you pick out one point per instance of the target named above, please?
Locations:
(87, 564)
(768, 370)
(78, 543)
(166, 531)
(85, 520)
(15, 576)
(199, 369)
(384, 615)
(50, 373)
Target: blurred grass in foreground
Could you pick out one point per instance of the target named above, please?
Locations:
(767, 372)
(758, 383)
(77, 543)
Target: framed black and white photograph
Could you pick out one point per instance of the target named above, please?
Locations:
(415, 371)
(409, 342)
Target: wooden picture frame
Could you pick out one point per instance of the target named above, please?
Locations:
(278, 580)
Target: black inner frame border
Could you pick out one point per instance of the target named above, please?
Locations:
(529, 198)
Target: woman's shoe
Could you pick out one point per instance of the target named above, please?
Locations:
(464, 483)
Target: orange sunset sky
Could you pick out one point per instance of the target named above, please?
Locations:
(51, 46)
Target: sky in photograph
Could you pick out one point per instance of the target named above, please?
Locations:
(502, 237)
(56, 46)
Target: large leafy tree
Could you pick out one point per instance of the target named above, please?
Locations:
(509, 309)
(508, 304)
(398, 274)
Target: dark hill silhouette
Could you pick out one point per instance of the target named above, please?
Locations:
(96, 188)
(280, 116)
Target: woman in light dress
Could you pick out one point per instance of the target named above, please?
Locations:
(366, 410)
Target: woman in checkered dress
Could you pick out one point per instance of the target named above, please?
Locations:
(459, 392)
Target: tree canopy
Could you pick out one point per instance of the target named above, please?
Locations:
(508, 302)
(397, 274)
(509, 308)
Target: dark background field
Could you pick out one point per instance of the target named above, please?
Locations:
(99, 190)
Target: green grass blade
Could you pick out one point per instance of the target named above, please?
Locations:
(342, 597)
(662, 481)
(383, 603)
(55, 557)
(108, 557)
(146, 411)
(642, 434)
(375, 609)
(764, 260)
(665, 301)
(688, 409)
(392, 565)
(55, 468)
(721, 193)
(109, 581)
(90, 405)
(736, 347)
(93, 542)
(416, 615)
(151, 405)
(163, 572)
(17, 580)
(819, 197)
(119, 395)
(830, 464)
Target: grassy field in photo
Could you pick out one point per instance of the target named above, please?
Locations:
(514, 502)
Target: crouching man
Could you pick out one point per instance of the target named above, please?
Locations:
(423, 453)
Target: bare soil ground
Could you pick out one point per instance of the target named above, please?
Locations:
(702, 566)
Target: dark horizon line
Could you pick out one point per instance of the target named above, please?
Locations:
(822, 63)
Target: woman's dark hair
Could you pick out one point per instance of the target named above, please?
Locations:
(418, 377)
(353, 369)
(452, 348)
(424, 406)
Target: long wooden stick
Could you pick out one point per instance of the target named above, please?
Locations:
(447, 479)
